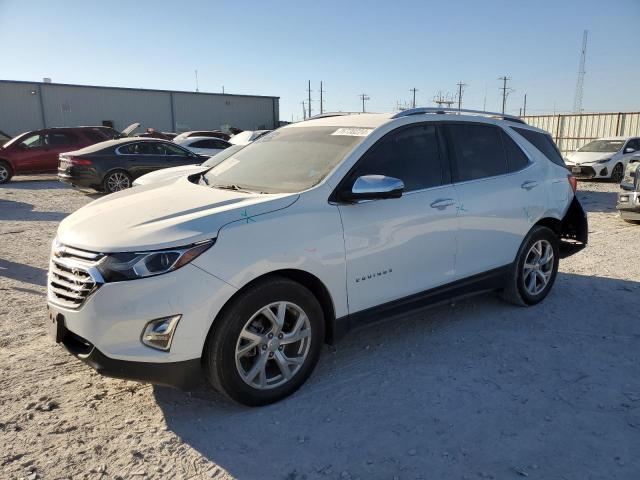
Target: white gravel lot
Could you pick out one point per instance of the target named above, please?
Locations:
(475, 390)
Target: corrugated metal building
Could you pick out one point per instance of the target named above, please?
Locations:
(571, 131)
(28, 106)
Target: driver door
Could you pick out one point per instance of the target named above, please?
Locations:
(399, 247)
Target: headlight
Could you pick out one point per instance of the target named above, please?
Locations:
(604, 160)
(116, 267)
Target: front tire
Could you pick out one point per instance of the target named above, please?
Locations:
(116, 181)
(6, 172)
(266, 343)
(535, 269)
(617, 174)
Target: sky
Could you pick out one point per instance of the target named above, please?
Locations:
(382, 49)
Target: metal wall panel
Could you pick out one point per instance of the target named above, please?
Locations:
(571, 131)
(28, 106)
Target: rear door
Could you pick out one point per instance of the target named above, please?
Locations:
(398, 247)
(59, 142)
(499, 192)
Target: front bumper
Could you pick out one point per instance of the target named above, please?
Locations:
(629, 205)
(586, 172)
(110, 322)
(83, 178)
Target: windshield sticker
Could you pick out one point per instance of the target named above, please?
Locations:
(353, 132)
(224, 166)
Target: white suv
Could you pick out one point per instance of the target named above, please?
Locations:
(241, 272)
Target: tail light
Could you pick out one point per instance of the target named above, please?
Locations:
(79, 161)
(573, 182)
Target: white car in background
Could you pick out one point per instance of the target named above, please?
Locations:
(248, 136)
(240, 274)
(203, 145)
(167, 174)
(603, 158)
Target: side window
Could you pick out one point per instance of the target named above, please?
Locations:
(32, 141)
(410, 154)
(220, 144)
(168, 149)
(634, 143)
(140, 148)
(516, 159)
(477, 151)
(95, 136)
(60, 139)
(544, 143)
(203, 144)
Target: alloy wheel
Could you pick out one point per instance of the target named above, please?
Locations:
(538, 267)
(4, 173)
(618, 173)
(273, 345)
(118, 181)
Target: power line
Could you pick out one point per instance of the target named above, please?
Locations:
(364, 97)
(505, 91)
(461, 86)
(414, 90)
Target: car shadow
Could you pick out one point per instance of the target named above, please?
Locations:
(21, 211)
(595, 201)
(35, 182)
(457, 390)
(23, 273)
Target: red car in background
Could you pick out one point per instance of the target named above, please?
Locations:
(38, 151)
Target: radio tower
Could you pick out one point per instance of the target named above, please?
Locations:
(577, 102)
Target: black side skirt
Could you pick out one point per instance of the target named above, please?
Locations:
(491, 280)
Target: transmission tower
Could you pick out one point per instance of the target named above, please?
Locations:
(577, 102)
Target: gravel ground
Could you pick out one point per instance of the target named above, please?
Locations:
(477, 389)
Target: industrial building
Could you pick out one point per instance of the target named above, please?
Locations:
(28, 106)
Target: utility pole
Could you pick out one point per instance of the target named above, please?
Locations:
(321, 104)
(461, 86)
(364, 97)
(524, 108)
(414, 90)
(309, 92)
(505, 91)
(197, 81)
(223, 89)
(304, 110)
(484, 106)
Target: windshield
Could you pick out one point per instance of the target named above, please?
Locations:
(223, 155)
(286, 160)
(603, 146)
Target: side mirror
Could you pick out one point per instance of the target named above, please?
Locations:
(629, 150)
(375, 187)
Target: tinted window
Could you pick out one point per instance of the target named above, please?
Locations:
(544, 143)
(95, 136)
(410, 154)
(168, 149)
(32, 141)
(634, 143)
(220, 144)
(60, 139)
(516, 159)
(477, 151)
(140, 148)
(204, 144)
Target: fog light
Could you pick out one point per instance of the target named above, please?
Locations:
(604, 172)
(159, 333)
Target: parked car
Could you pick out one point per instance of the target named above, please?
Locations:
(203, 145)
(203, 133)
(248, 136)
(4, 138)
(629, 197)
(113, 165)
(603, 158)
(38, 151)
(153, 133)
(168, 174)
(241, 273)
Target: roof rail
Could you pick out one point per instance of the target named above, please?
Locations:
(421, 110)
(331, 114)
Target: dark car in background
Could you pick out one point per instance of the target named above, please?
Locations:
(113, 165)
(37, 151)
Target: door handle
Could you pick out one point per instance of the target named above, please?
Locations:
(529, 185)
(443, 203)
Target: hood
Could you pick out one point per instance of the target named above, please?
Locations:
(130, 129)
(167, 215)
(588, 157)
(171, 173)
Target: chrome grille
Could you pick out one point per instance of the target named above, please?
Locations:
(72, 275)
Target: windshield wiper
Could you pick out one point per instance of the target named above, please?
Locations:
(204, 178)
(232, 186)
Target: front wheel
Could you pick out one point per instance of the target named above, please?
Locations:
(5, 172)
(617, 174)
(264, 345)
(116, 181)
(535, 269)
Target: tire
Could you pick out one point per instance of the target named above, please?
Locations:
(245, 339)
(6, 172)
(617, 174)
(116, 181)
(519, 289)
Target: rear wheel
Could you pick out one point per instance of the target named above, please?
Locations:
(617, 174)
(116, 181)
(5, 172)
(265, 345)
(535, 268)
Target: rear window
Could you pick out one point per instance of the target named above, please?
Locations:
(516, 158)
(477, 151)
(544, 143)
